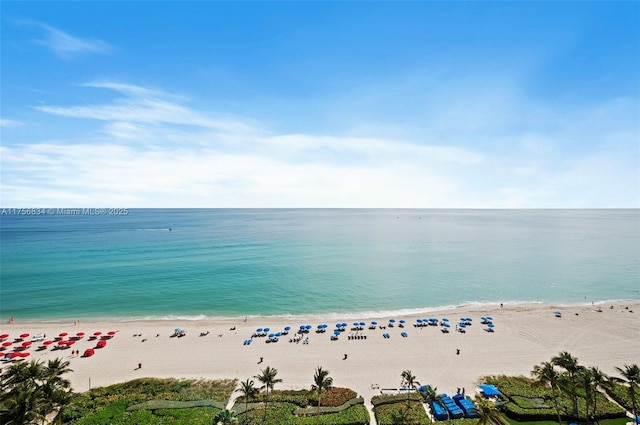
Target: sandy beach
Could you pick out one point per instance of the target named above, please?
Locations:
(524, 336)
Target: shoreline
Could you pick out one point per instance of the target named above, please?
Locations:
(525, 335)
(363, 315)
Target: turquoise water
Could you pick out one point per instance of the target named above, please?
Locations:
(226, 262)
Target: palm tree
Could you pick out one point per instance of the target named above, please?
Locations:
(570, 364)
(268, 378)
(488, 412)
(248, 391)
(546, 374)
(225, 417)
(630, 377)
(321, 381)
(30, 391)
(409, 381)
(599, 379)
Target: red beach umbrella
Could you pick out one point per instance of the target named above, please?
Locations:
(101, 344)
(88, 352)
(97, 333)
(26, 344)
(112, 333)
(24, 336)
(7, 344)
(63, 334)
(14, 355)
(61, 343)
(71, 342)
(23, 355)
(47, 342)
(80, 334)
(4, 336)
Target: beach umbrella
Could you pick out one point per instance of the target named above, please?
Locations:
(71, 342)
(488, 317)
(336, 332)
(462, 325)
(308, 327)
(266, 329)
(4, 336)
(47, 342)
(24, 336)
(80, 334)
(469, 319)
(374, 323)
(392, 320)
(26, 344)
(287, 328)
(100, 333)
(362, 323)
(278, 334)
(259, 330)
(402, 321)
(338, 325)
(419, 321)
(491, 325)
(62, 334)
(24, 354)
(112, 333)
(446, 325)
(88, 352)
(272, 335)
(61, 343)
(7, 344)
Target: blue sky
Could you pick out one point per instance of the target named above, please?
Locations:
(320, 104)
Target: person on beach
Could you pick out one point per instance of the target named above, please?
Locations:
(345, 356)
(457, 351)
(261, 359)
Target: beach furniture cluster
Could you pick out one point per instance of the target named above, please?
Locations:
(356, 330)
(446, 408)
(19, 348)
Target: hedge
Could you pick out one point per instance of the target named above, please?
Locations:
(308, 411)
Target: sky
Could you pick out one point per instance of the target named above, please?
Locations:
(320, 104)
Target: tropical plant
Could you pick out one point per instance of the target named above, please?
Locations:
(488, 412)
(409, 381)
(248, 391)
(225, 417)
(631, 378)
(321, 381)
(268, 378)
(546, 374)
(33, 390)
(569, 383)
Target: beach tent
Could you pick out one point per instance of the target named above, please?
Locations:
(88, 352)
(490, 391)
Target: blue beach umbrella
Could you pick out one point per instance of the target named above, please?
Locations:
(336, 333)
(272, 335)
(419, 320)
(338, 325)
(446, 325)
(356, 324)
(266, 329)
(392, 320)
(287, 328)
(374, 323)
(402, 321)
(445, 319)
(278, 333)
(344, 325)
(259, 330)
(462, 325)
(491, 325)
(488, 317)
(469, 319)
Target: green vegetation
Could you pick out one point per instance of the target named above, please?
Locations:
(33, 390)
(151, 401)
(565, 390)
(400, 411)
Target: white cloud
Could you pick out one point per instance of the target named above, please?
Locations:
(6, 123)
(153, 150)
(66, 45)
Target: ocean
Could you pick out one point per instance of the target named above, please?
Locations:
(212, 263)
